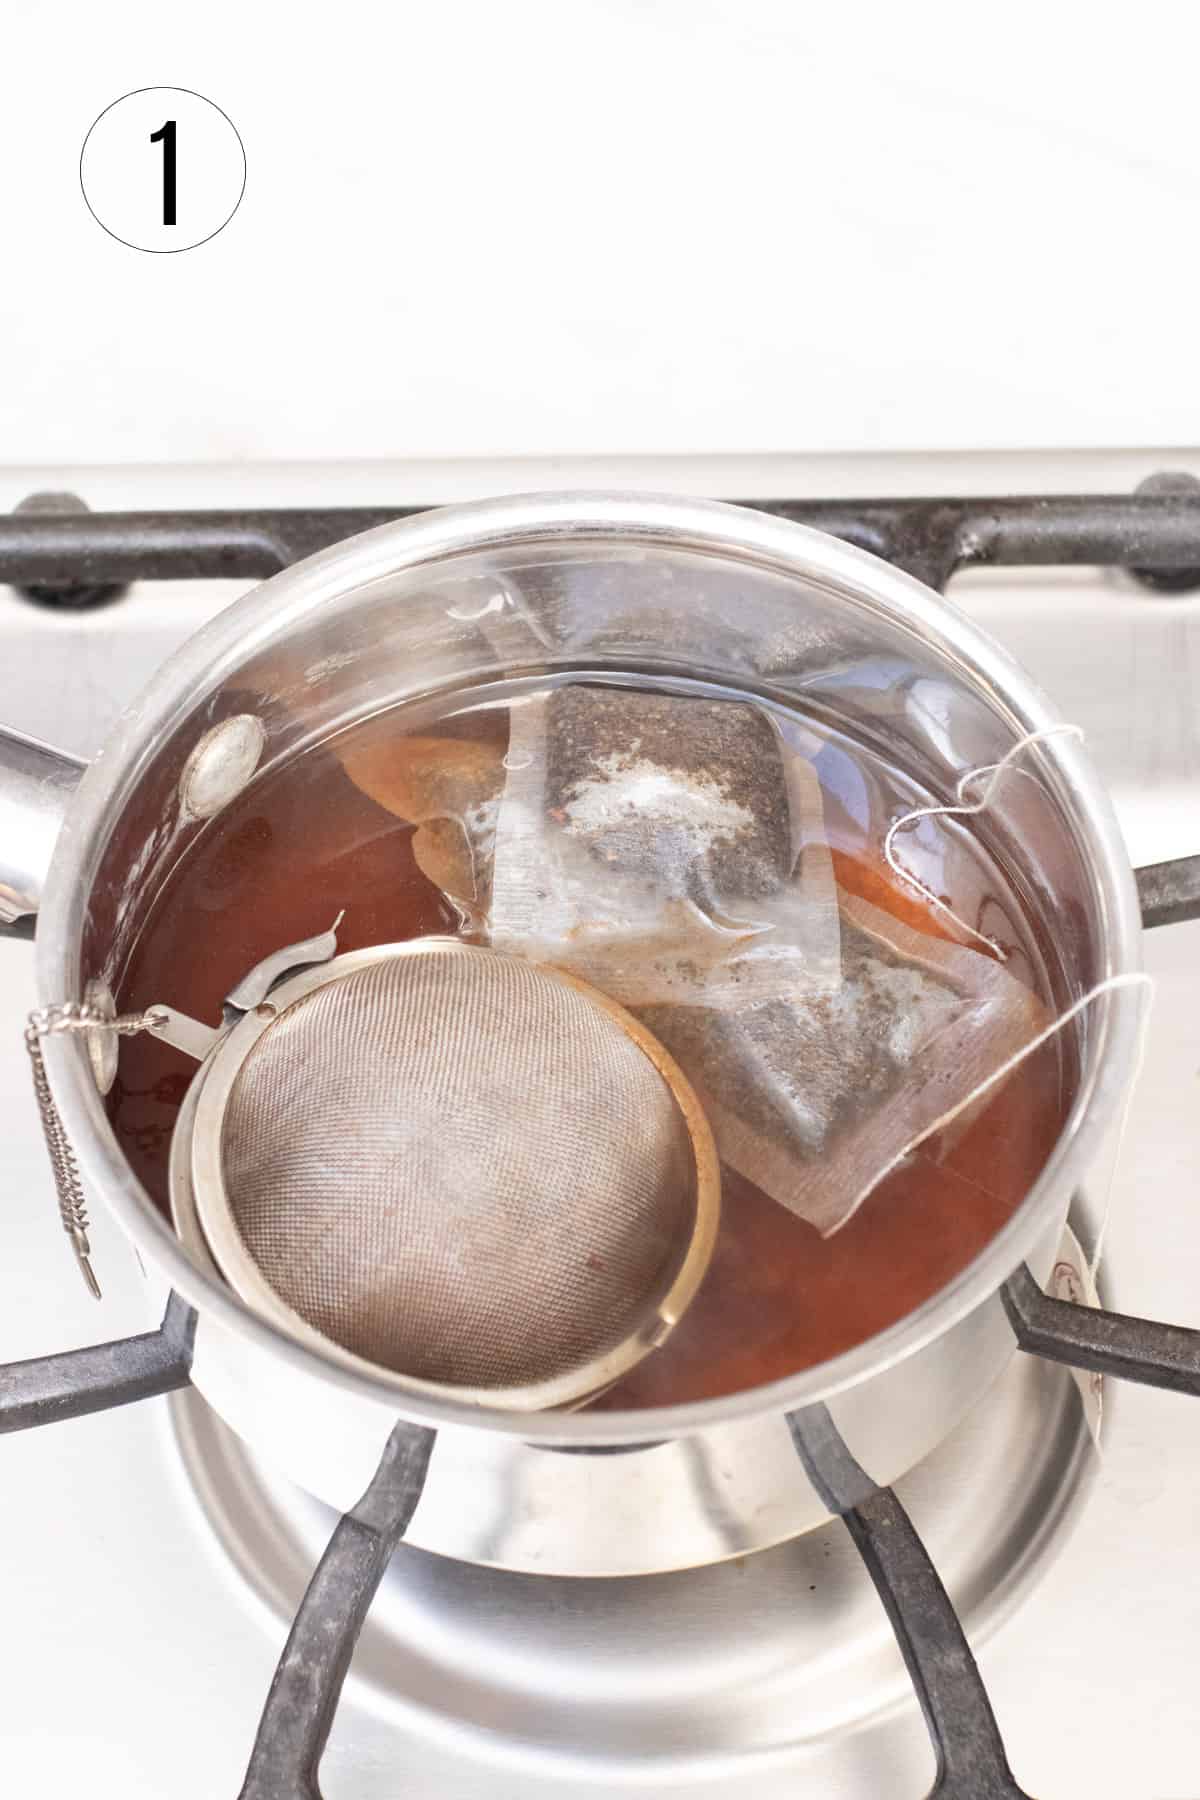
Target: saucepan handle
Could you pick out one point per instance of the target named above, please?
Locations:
(36, 785)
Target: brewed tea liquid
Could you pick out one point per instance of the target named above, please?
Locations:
(306, 842)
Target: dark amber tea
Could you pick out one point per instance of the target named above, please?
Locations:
(401, 826)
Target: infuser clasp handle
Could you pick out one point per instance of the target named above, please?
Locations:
(254, 987)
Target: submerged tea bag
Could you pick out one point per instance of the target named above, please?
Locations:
(449, 789)
(815, 1097)
(662, 847)
(675, 789)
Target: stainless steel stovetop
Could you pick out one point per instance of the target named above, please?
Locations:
(148, 1565)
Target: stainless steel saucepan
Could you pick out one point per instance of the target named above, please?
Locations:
(689, 591)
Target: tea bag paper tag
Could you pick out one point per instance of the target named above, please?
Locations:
(1071, 1279)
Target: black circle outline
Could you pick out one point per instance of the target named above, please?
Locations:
(156, 88)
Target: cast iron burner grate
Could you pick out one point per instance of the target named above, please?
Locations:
(59, 554)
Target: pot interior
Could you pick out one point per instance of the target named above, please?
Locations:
(875, 682)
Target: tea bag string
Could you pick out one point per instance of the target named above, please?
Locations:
(1139, 1058)
(964, 810)
(53, 1021)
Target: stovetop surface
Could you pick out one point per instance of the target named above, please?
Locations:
(134, 1656)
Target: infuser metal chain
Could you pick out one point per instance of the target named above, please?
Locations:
(51, 1021)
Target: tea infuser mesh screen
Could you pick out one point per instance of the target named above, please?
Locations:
(461, 1168)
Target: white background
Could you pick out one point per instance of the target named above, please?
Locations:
(614, 225)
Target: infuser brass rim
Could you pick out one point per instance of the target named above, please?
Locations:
(205, 1218)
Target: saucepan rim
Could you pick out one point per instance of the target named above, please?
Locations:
(647, 520)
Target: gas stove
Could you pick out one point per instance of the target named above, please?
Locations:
(151, 1566)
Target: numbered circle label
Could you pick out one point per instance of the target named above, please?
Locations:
(163, 169)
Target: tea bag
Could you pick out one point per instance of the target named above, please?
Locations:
(663, 848)
(814, 1097)
(449, 788)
